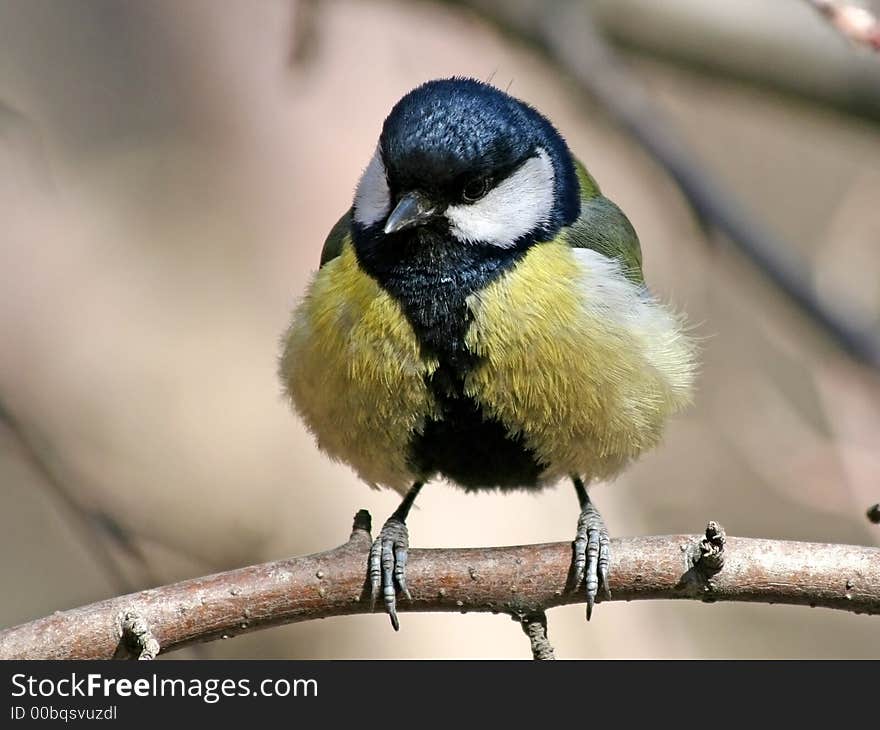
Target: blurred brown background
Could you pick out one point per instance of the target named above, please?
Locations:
(168, 172)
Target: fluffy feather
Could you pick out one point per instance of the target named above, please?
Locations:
(579, 359)
(352, 369)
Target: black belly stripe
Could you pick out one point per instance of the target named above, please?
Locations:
(432, 275)
(474, 451)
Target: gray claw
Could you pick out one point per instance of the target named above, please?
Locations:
(387, 567)
(375, 571)
(604, 561)
(591, 555)
(400, 555)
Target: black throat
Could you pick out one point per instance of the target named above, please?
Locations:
(431, 275)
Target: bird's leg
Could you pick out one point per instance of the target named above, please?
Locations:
(388, 557)
(592, 552)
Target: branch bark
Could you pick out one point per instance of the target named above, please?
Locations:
(520, 581)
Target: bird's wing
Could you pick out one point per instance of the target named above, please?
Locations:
(336, 238)
(603, 227)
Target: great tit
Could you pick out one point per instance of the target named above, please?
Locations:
(480, 316)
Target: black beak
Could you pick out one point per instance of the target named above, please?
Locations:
(413, 209)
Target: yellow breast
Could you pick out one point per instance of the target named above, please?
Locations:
(578, 359)
(581, 361)
(352, 369)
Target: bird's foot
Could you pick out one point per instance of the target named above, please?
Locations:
(388, 567)
(592, 555)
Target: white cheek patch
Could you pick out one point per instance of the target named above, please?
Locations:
(516, 206)
(372, 200)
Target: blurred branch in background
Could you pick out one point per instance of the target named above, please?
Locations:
(20, 136)
(565, 31)
(520, 581)
(786, 46)
(304, 35)
(855, 23)
(94, 526)
(98, 529)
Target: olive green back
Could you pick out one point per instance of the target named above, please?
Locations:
(604, 227)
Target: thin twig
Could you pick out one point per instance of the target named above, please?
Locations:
(518, 581)
(565, 32)
(534, 625)
(853, 22)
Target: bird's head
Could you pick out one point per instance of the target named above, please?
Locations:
(462, 159)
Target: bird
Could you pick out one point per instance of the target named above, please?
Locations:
(480, 316)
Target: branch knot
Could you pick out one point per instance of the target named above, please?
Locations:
(711, 559)
(137, 640)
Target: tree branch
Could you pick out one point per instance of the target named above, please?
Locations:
(534, 625)
(521, 581)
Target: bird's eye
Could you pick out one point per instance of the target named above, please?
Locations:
(476, 189)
